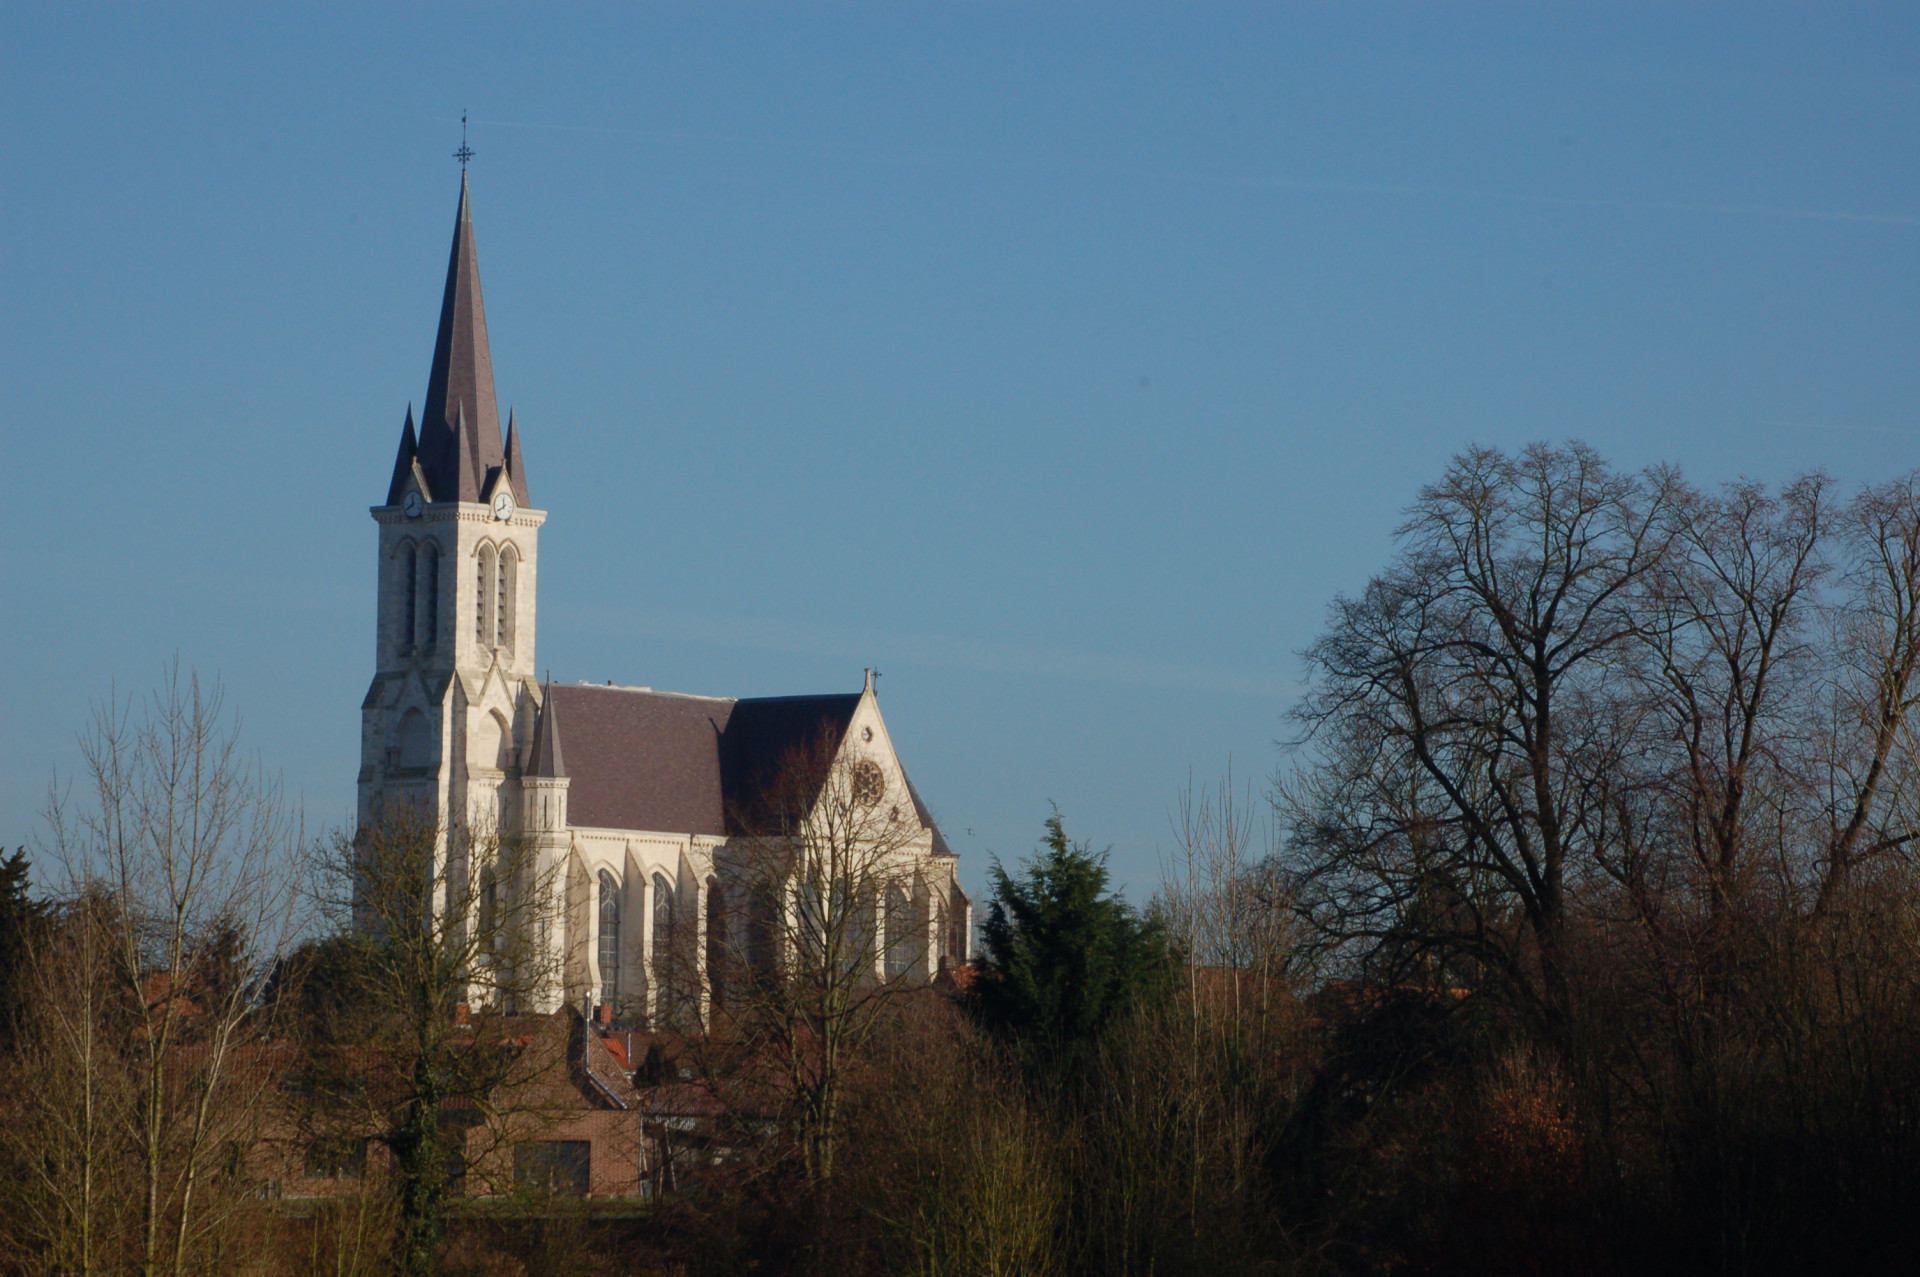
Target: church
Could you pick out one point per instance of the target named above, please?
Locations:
(634, 799)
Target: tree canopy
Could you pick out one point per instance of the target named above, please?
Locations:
(1065, 956)
(21, 917)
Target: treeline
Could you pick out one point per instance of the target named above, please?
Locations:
(1576, 933)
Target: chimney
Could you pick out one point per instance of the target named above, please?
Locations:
(603, 1015)
(461, 1018)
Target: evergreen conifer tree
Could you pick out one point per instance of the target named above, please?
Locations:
(21, 918)
(1065, 957)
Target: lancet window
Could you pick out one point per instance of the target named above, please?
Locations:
(483, 596)
(716, 939)
(409, 568)
(430, 577)
(899, 919)
(505, 594)
(609, 938)
(662, 892)
(662, 917)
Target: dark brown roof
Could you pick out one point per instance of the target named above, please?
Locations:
(641, 759)
(762, 737)
(459, 442)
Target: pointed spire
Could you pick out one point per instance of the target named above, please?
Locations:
(516, 468)
(547, 760)
(403, 463)
(461, 378)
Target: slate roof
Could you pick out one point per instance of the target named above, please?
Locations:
(458, 447)
(761, 736)
(640, 759)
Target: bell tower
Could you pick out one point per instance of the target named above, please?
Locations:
(448, 719)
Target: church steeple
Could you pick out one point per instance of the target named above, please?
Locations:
(453, 698)
(459, 444)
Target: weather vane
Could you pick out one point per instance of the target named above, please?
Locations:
(465, 152)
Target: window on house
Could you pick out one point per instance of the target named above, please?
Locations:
(553, 1166)
(609, 938)
(336, 1159)
(457, 1169)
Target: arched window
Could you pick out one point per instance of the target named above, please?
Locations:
(483, 597)
(899, 924)
(489, 910)
(409, 568)
(763, 928)
(609, 938)
(716, 940)
(859, 930)
(430, 577)
(662, 941)
(504, 598)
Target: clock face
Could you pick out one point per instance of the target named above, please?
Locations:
(411, 505)
(503, 505)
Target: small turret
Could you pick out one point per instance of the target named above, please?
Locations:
(547, 763)
(544, 784)
(403, 463)
(516, 468)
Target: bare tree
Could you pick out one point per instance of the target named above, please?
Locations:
(1225, 903)
(1868, 786)
(66, 1108)
(200, 856)
(1708, 801)
(442, 940)
(1223, 900)
(1458, 707)
(823, 925)
(182, 889)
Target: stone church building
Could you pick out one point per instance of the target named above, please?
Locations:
(631, 796)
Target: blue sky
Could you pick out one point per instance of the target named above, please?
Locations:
(1060, 361)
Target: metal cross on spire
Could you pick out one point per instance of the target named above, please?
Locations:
(465, 152)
